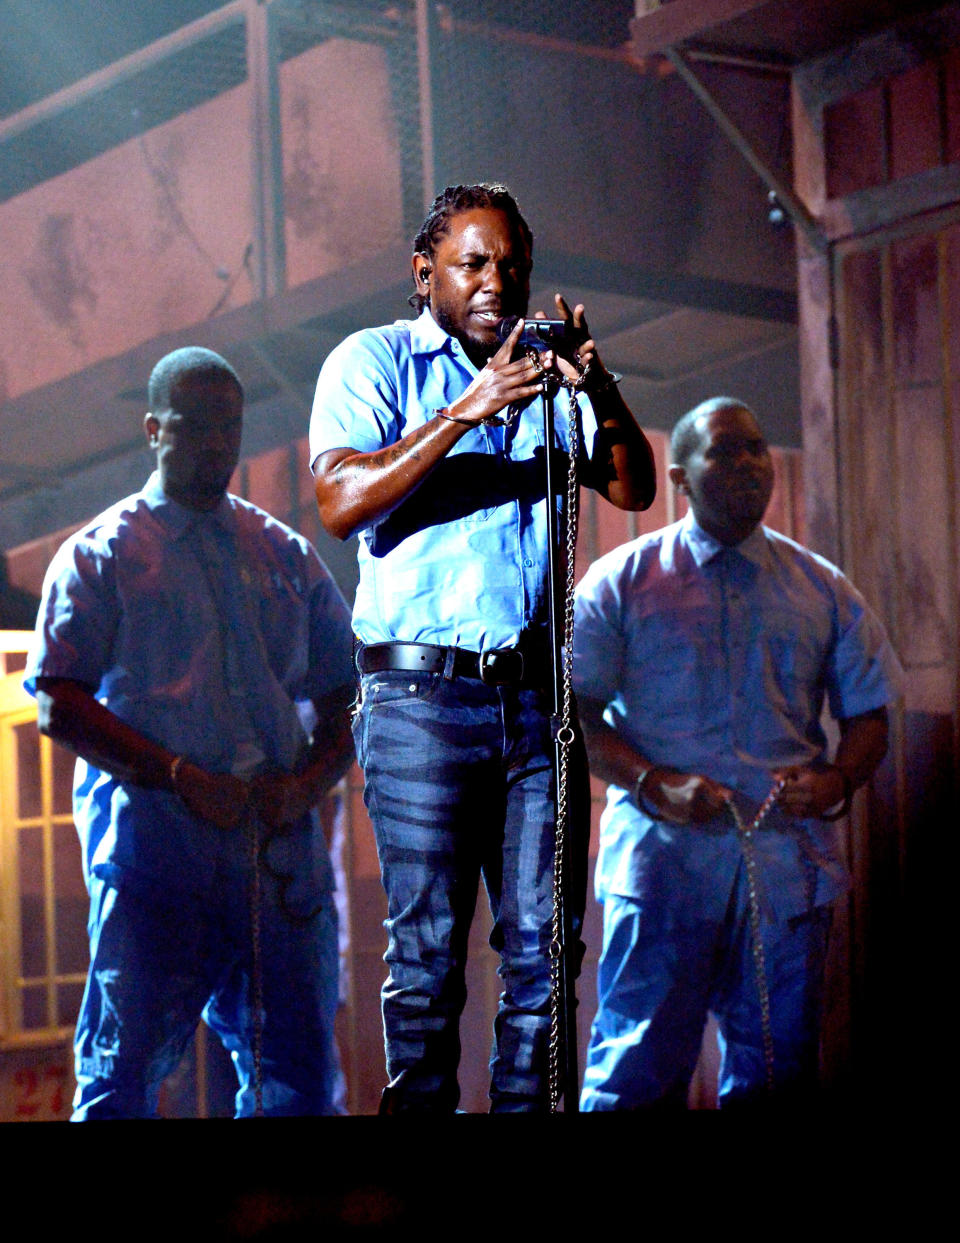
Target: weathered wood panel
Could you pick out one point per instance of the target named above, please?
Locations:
(881, 420)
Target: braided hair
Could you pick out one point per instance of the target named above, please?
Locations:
(449, 203)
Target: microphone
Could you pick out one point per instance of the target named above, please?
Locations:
(540, 334)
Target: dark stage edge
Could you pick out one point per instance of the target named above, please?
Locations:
(407, 1178)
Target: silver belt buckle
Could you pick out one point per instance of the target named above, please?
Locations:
(510, 660)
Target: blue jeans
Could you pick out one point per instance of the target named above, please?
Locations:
(656, 981)
(459, 784)
(160, 961)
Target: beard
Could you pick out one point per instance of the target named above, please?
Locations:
(480, 348)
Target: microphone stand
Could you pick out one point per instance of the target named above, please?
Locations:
(567, 967)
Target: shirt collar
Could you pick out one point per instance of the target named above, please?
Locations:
(704, 547)
(426, 335)
(180, 518)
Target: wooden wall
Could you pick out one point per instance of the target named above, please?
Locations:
(876, 149)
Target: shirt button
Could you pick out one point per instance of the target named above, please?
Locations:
(527, 561)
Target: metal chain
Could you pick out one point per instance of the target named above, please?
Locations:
(746, 832)
(565, 737)
(516, 407)
(259, 865)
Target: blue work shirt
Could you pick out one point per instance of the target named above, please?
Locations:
(207, 632)
(462, 561)
(718, 662)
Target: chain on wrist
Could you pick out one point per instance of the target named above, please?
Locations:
(491, 420)
(443, 413)
(638, 796)
(610, 380)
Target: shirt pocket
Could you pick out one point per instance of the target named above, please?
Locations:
(674, 665)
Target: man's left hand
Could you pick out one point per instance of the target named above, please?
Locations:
(620, 462)
(809, 792)
(281, 798)
(576, 354)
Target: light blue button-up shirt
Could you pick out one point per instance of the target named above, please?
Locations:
(718, 662)
(207, 632)
(462, 561)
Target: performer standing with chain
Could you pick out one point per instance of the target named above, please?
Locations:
(421, 442)
(183, 638)
(704, 653)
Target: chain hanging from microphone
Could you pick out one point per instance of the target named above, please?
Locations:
(566, 736)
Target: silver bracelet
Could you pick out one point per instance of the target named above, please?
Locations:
(174, 769)
(639, 801)
(452, 418)
(610, 380)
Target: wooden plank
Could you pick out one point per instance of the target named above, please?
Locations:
(684, 19)
(853, 136)
(881, 206)
(950, 300)
(926, 582)
(822, 504)
(909, 42)
(916, 326)
(951, 80)
(915, 120)
(785, 511)
(866, 431)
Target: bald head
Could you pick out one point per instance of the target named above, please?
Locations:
(194, 362)
(194, 425)
(688, 429)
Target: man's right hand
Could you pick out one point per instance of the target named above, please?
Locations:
(683, 798)
(503, 381)
(357, 490)
(217, 797)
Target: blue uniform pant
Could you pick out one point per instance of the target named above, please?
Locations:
(656, 982)
(159, 962)
(459, 785)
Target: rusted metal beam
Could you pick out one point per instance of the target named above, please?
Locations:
(120, 70)
(271, 270)
(425, 31)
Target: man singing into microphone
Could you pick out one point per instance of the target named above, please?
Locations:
(425, 441)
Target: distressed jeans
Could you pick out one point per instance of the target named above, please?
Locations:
(459, 786)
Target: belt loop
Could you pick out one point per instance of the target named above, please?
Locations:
(449, 662)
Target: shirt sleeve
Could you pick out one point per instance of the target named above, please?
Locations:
(356, 404)
(864, 672)
(598, 633)
(78, 617)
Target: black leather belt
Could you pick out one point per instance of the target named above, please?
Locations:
(501, 666)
